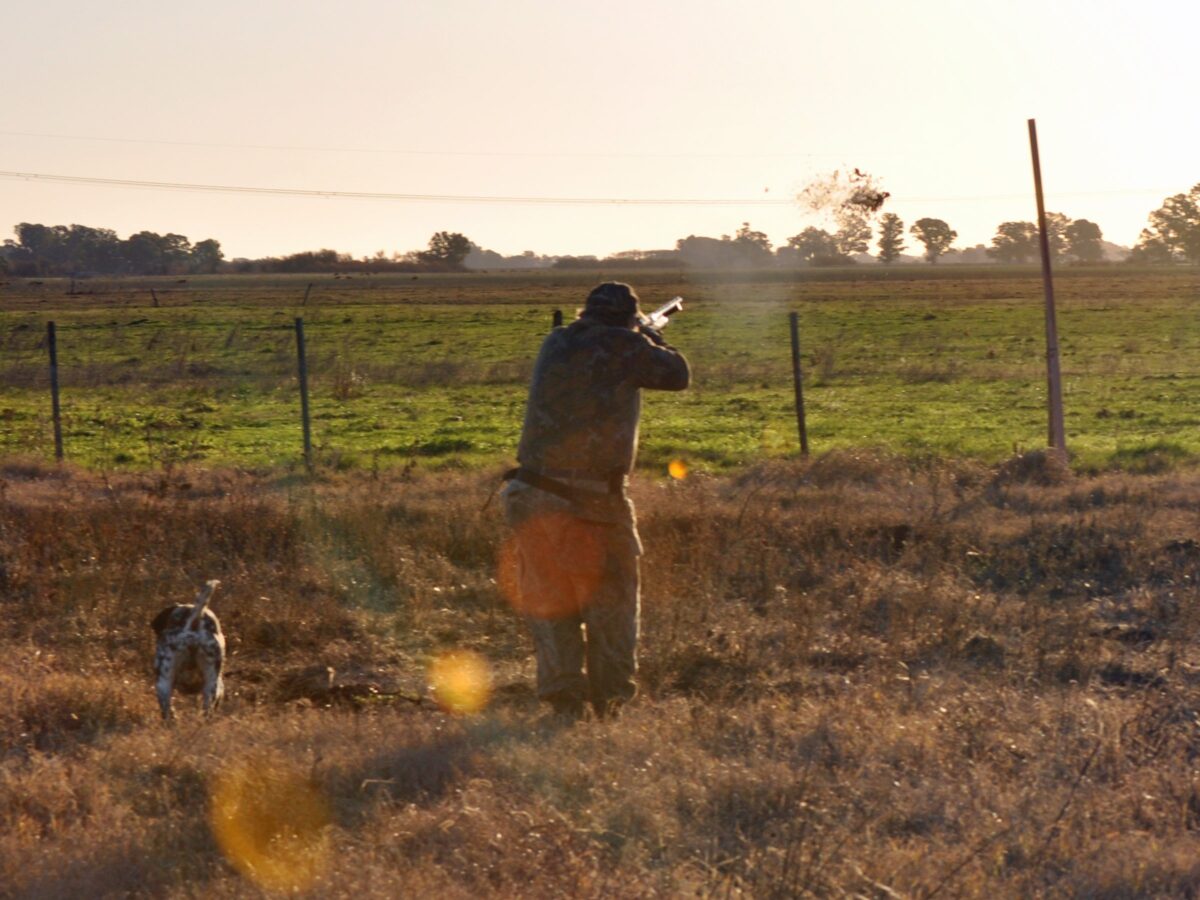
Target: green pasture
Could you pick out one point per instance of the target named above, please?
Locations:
(432, 371)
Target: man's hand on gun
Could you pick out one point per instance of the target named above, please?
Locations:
(652, 325)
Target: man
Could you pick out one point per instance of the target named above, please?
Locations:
(574, 545)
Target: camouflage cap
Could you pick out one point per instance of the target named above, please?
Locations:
(612, 301)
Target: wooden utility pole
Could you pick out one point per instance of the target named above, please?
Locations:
(52, 344)
(1057, 430)
(303, 369)
(797, 381)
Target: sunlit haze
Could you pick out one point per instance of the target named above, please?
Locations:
(623, 100)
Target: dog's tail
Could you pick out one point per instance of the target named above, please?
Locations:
(201, 601)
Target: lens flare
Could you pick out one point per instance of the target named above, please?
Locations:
(677, 469)
(271, 823)
(551, 565)
(461, 681)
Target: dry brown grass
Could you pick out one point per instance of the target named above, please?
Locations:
(862, 676)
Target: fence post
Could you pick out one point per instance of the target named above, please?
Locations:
(307, 290)
(154, 297)
(794, 318)
(303, 368)
(52, 344)
(1057, 430)
(557, 318)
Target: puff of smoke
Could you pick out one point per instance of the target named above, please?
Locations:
(853, 194)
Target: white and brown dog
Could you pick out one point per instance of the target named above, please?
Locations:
(191, 652)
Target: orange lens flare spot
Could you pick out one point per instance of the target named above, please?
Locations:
(551, 566)
(461, 682)
(271, 824)
(677, 469)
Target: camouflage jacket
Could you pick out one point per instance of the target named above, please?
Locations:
(585, 397)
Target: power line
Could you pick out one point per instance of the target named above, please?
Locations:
(586, 154)
(518, 199)
(404, 198)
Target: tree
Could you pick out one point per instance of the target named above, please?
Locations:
(1176, 226)
(177, 253)
(746, 248)
(1151, 250)
(324, 260)
(1056, 233)
(38, 246)
(1015, 242)
(706, 252)
(853, 235)
(891, 238)
(145, 253)
(1083, 241)
(746, 235)
(206, 256)
(753, 247)
(446, 248)
(936, 235)
(91, 250)
(68, 250)
(20, 259)
(815, 246)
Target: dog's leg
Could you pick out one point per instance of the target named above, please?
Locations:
(218, 692)
(214, 687)
(164, 665)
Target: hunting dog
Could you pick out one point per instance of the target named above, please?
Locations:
(191, 652)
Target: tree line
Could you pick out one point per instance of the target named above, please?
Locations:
(1015, 242)
(73, 250)
(446, 252)
(41, 250)
(1173, 235)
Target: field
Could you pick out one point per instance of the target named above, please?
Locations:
(926, 661)
(432, 372)
(861, 676)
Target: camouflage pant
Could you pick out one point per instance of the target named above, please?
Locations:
(577, 586)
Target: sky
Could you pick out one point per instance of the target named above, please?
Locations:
(543, 101)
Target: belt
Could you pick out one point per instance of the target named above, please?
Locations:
(546, 480)
(613, 479)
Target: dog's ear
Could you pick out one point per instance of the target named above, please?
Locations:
(161, 620)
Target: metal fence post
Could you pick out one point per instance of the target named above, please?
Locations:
(794, 318)
(303, 369)
(52, 344)
(1057, 430)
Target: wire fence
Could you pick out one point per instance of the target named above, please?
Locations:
(387, 383)
(159, 387)
(183, 369)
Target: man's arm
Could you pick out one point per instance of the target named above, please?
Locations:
(658, 365)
